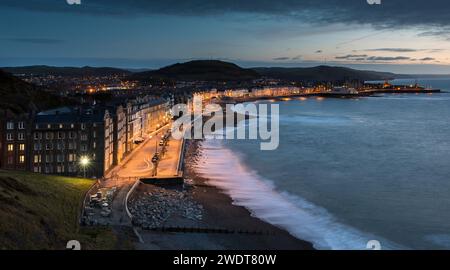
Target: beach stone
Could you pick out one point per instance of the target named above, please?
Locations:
(155, 207)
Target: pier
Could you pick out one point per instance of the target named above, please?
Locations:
(403, 91)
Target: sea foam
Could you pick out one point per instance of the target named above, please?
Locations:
(304, 220)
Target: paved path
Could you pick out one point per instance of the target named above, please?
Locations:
(123, 177)
(168, 166)
(119, 215)
(138, 165)
(135, 166)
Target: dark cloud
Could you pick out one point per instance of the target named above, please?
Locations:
(34, 40)
(441, 33)
(436, 50)
(319, 51)
(387, 58)
(284, 58)
(427, 59)
(351, 56)
(364, 57)
(392, 13)
(393, 50)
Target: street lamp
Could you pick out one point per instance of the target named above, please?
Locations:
(84, 162)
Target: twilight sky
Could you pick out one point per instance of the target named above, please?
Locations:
(403, 36)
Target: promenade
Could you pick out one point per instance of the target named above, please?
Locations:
(138, 165)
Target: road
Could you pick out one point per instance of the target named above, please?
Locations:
(140, 162)
(138, 165)
(168, 166)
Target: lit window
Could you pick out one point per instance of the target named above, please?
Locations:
(10, 147)
(10, 125)
(22, 147)
(37, 158)
(21, 159)
(60, 169)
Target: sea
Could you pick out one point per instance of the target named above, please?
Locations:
(348, 171)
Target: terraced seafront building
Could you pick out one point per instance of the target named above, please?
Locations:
(14, 141)
(61, 137)
(53, 142)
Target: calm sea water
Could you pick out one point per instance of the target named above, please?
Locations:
(348, 171)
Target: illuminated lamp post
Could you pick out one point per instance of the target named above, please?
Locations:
(84, 162)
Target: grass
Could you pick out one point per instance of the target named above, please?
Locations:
(41, 212)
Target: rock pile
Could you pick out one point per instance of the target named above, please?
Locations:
(98, 210)
(152, 209)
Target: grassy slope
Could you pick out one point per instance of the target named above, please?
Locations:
(41, 212)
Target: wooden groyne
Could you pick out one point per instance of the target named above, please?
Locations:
(206, 230)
